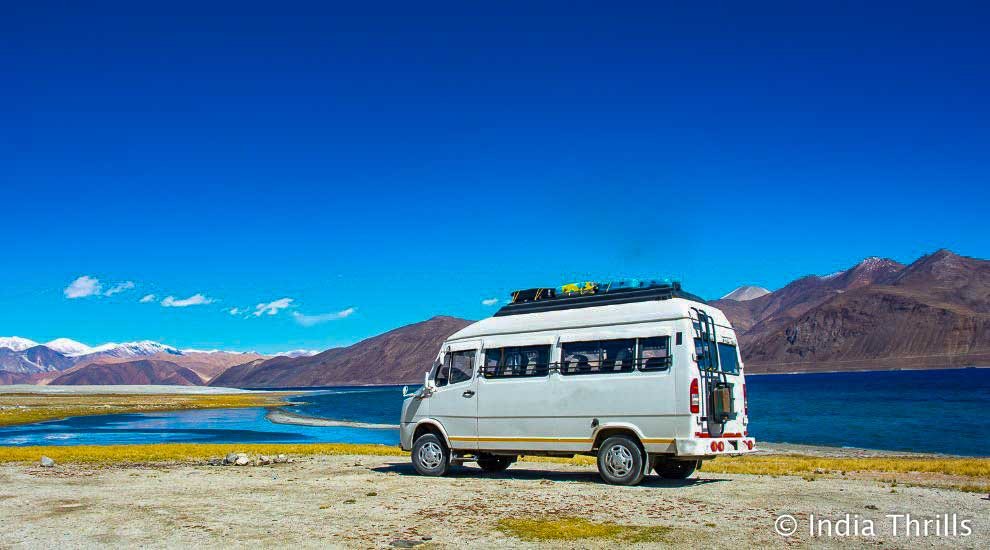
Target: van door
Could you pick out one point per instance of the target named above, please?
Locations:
(454, 403)
(515, 406)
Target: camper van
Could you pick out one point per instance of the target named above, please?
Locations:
(644, 376)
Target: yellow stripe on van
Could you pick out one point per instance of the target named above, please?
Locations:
(546, 439)
(524, 439)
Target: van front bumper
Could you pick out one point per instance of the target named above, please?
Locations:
(715, 446)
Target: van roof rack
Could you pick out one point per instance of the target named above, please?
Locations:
(590, 294)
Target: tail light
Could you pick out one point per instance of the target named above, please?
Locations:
(745, 402)
(695, 397)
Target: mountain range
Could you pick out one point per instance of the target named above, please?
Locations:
(23, 361)
(398, 356)
(877, 314)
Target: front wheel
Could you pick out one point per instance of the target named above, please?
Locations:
(430, 456)
(620, 462)
(675, 469)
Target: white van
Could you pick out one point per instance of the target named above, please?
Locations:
(644, 377)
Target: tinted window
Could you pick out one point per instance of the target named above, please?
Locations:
(461, 366)
(443, 372)
(579, 358)
(597, 357)
(728, 358)
(654, 353)
(617, 355)
(519, 361)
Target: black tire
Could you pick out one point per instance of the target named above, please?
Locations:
(491, 464)
(668, 468)
(430, 456)
(620, 461)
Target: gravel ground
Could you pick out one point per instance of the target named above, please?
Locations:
(367, 502)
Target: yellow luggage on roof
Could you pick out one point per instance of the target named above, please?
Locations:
(586, 287)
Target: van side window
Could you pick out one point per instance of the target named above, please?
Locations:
(461, 366)
(443, 372)
(606, 356)
(519, 361)
(654, 353)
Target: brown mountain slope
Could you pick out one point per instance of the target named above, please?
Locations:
(206, 365)
(143, 371)
(801, 295)
(932, 313)
(398, 356)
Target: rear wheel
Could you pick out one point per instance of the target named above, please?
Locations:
(430, 456)
(668, 468)
(491, 464)
(620, 461)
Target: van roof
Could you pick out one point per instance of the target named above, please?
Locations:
(598, 315)
(547, 299)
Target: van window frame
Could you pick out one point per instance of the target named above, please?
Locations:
(544, 373)
(638, 362)
(564, 372)
(472, 353)
(668, 361)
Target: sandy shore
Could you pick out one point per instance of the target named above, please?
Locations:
(280, 416)
(366, 501)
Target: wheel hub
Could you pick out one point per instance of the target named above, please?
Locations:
(430, 455)
(619, 461)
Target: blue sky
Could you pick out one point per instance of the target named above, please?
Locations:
(378, 169)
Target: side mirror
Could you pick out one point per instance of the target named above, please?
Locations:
(405, 391)
(427, 386)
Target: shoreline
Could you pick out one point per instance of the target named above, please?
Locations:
(281, 416)
(891, 369)
(146, 389)
(30, 408)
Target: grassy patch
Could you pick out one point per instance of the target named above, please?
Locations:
(25, 408)
(570, 528)
(803, 465)
(182, 452)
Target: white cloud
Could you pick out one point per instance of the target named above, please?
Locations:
(119, 287)
(272, 308)
(194, 300)
(310, 320)
(82, 287)
(147, 298)
(235, 311)
(489, 302)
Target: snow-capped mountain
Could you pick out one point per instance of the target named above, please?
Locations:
(132, 349)
(298, 353)
(746, 293)
(16, 343)
(68, 347)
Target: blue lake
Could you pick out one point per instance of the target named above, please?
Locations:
(922, 411)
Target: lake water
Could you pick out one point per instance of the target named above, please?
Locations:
(922, 411)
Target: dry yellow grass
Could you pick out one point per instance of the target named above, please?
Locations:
(25, 408)
(182, 452)
(801, 464)
(571, 528)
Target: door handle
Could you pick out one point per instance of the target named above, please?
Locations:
(469, 393)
